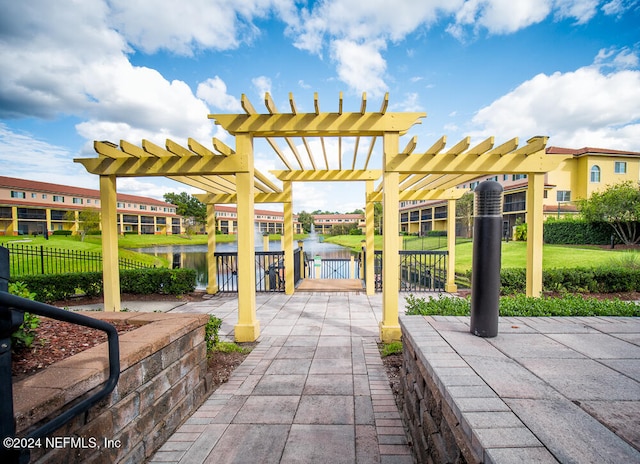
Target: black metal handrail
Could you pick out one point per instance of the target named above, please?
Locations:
(10, 303)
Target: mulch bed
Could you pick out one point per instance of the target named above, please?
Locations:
(55, 341)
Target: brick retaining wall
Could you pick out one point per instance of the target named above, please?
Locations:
(163, 380)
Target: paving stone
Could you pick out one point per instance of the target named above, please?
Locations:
(599, 346)
(267, 410)
(280, 385)
(306, 444)
(325, 409)
(329, 384)
(331, 366)
(571, 434)
(288, 367)
(367, 450)
(519, 456)
(524, 345)
(242, 443)
(623, 417)
(509, 379)
(584, 379)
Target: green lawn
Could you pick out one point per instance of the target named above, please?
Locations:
(514, 254)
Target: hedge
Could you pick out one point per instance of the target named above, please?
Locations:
(54, 287)
(580, 280)
(577, 232)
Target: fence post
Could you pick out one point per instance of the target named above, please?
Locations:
(9, 321)
(41, 259)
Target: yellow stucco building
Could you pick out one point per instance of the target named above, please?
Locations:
(585, 171)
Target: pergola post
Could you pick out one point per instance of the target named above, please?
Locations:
(212, 268)
(110, 270)
(390, 325)
(248, 327)
(369, 277)
(535, 241)
(450, 285)
(287, 245)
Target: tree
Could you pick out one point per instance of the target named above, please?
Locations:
(306, 220)
(619, 206)
(464, 212)
(378, 216)
(189, 207)
(88, 220)
(356, 211)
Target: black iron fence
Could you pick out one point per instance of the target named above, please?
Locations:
(30, 259)
(269, 271)
(334, 268)
(11, 316)
(420, 271)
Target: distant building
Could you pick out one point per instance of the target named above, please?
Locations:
(324, 222)
(588, 171)
(265, 221)
(31, 207)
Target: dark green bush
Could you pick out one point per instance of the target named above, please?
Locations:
(523, 306)
(580, 280)
(576, 231)
(437, 233)
(56, 287)
(62, 232)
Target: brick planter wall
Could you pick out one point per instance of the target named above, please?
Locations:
(162, 381)
(426, 407)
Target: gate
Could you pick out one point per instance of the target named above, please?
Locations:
(420, 271)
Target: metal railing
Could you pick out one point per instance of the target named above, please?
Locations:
(420, 271)
(30, 259)
(11, 316)
(269, 271)
(334, 268)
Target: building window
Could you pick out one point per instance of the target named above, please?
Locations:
(595, 174)
(143, 207)
(77, 201)
(33, 195)
(58, 199)
(505, 177)
(563, 195)
(15, 194)
(620, 167)
(44, 196)
(518, 176)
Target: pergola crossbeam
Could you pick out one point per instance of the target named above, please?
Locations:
(328, 175)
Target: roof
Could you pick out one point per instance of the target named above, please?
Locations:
(577, 152)
(36, 186)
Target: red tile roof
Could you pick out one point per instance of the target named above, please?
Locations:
(35, 186)
(588, 150)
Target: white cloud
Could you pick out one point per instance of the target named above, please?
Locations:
(214, 92)
(182, 27)
(586, 107)
(262, 85)
(24, 156)
(360, 65)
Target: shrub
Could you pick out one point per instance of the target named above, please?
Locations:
(391, 348)
(576, 231)
(54, 287)
(521, 232)
(523, 306)
(211, 333)
(437, 233)
(26, 332)
(62, 232)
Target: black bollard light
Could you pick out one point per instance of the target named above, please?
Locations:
(485, 274)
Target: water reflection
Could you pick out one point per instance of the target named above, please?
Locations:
(195, 256)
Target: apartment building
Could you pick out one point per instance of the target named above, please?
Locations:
(31, 207)
(265, 221)
(324, 222)
(587, 171)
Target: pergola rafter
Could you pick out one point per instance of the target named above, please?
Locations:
(228, 175)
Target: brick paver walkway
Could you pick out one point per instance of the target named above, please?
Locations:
(314, 390)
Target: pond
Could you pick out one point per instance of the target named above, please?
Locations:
(195, 256)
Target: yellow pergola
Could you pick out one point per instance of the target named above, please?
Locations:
(228, 175)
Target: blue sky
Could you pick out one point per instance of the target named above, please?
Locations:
(78, 71)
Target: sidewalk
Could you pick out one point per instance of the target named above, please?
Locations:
(314, 390)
